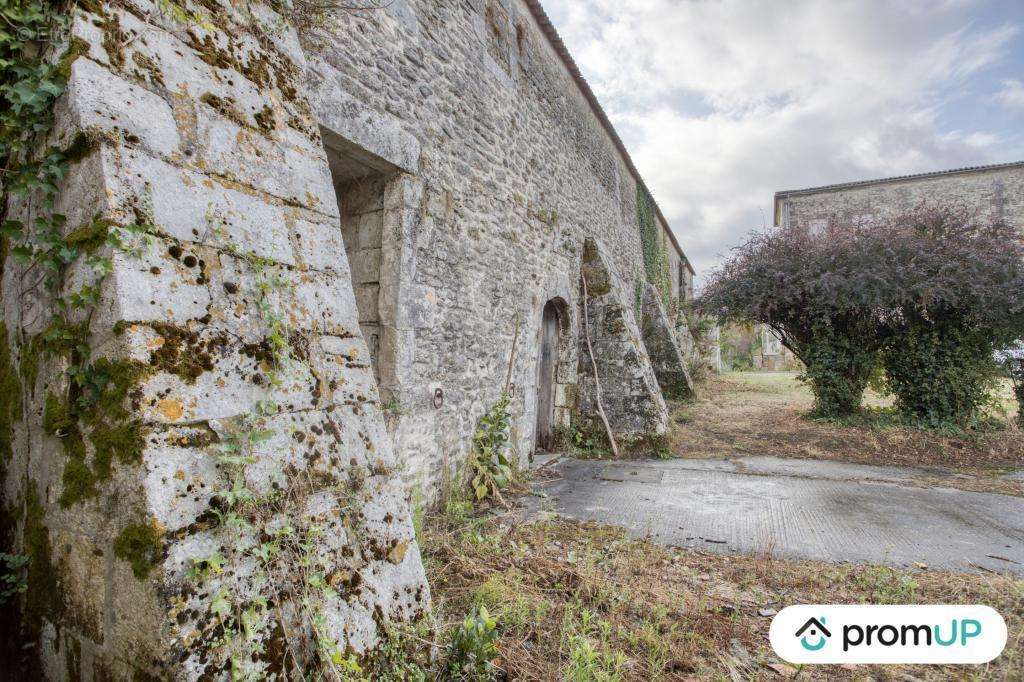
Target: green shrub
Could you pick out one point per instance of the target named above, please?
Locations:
(814, 291)
(473, 647)
(838, 369)
(939, 374)
(931, 293)
(490, 468)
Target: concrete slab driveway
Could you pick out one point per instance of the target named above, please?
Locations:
(793, 508)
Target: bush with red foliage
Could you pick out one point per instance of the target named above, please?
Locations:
(931, 293)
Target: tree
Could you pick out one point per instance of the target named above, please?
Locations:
(807, 287)
(930, 293)
(952, 295)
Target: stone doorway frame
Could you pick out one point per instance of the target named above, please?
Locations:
(377, 142)
(563, 372)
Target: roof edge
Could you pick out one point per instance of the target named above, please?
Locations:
(548, 28)
(898, 178)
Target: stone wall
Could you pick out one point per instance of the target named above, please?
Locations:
(996, 192)
(444, 150)
(225, 412)
(507, 170)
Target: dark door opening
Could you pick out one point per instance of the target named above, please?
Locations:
(546, 378)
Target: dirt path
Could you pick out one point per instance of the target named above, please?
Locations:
(741, 414)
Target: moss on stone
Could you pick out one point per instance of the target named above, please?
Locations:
(124, 440)
(183, 353)
(78, 481)
(139, 544)
(92, 6)
(59, 339)
(80, 147)
(112, 431)
(10, 397)
(110, 385)
(43, 594)
(265, 120)
(113, 41)
(147, 64)
(90, 237)
(57, 416)
(225, 106)
(77, 47)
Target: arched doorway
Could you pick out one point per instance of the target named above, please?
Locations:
(547, 368)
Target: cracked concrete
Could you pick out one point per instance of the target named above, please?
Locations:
(795, 509)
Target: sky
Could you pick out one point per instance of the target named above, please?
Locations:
(721, 103)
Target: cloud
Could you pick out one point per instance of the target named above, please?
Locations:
(723, 103)
(1012, 94)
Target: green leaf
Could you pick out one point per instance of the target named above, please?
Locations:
(12, 229)
(22, 254)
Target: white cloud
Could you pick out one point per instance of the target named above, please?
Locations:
(1012, 94)
(723, 103)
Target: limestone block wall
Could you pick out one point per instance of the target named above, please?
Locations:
(225, 413)
(507, 171)
(996, 192)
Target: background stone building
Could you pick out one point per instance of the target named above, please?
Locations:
(995, 191)
(475, 120)
(335, 249)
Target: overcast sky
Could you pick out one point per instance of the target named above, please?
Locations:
(721, 104)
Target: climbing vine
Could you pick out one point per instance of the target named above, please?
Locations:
(653, 245)
(31, 81)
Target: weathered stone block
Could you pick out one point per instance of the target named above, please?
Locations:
(192, 207)
(98, 101)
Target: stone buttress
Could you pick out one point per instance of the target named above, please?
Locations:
(661, 342)
(229, 410)
(630, 394)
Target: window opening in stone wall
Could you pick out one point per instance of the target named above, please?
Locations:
(360, 189)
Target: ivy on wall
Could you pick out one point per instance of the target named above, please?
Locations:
(653, 243)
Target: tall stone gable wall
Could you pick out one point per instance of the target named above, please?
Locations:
(203, 134)
(996, 193)
(514, 171)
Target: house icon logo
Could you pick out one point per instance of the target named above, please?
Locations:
(815, 631)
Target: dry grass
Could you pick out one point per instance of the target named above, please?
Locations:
(741, 414)
(582, 602)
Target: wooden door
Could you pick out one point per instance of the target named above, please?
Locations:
(546, 378)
